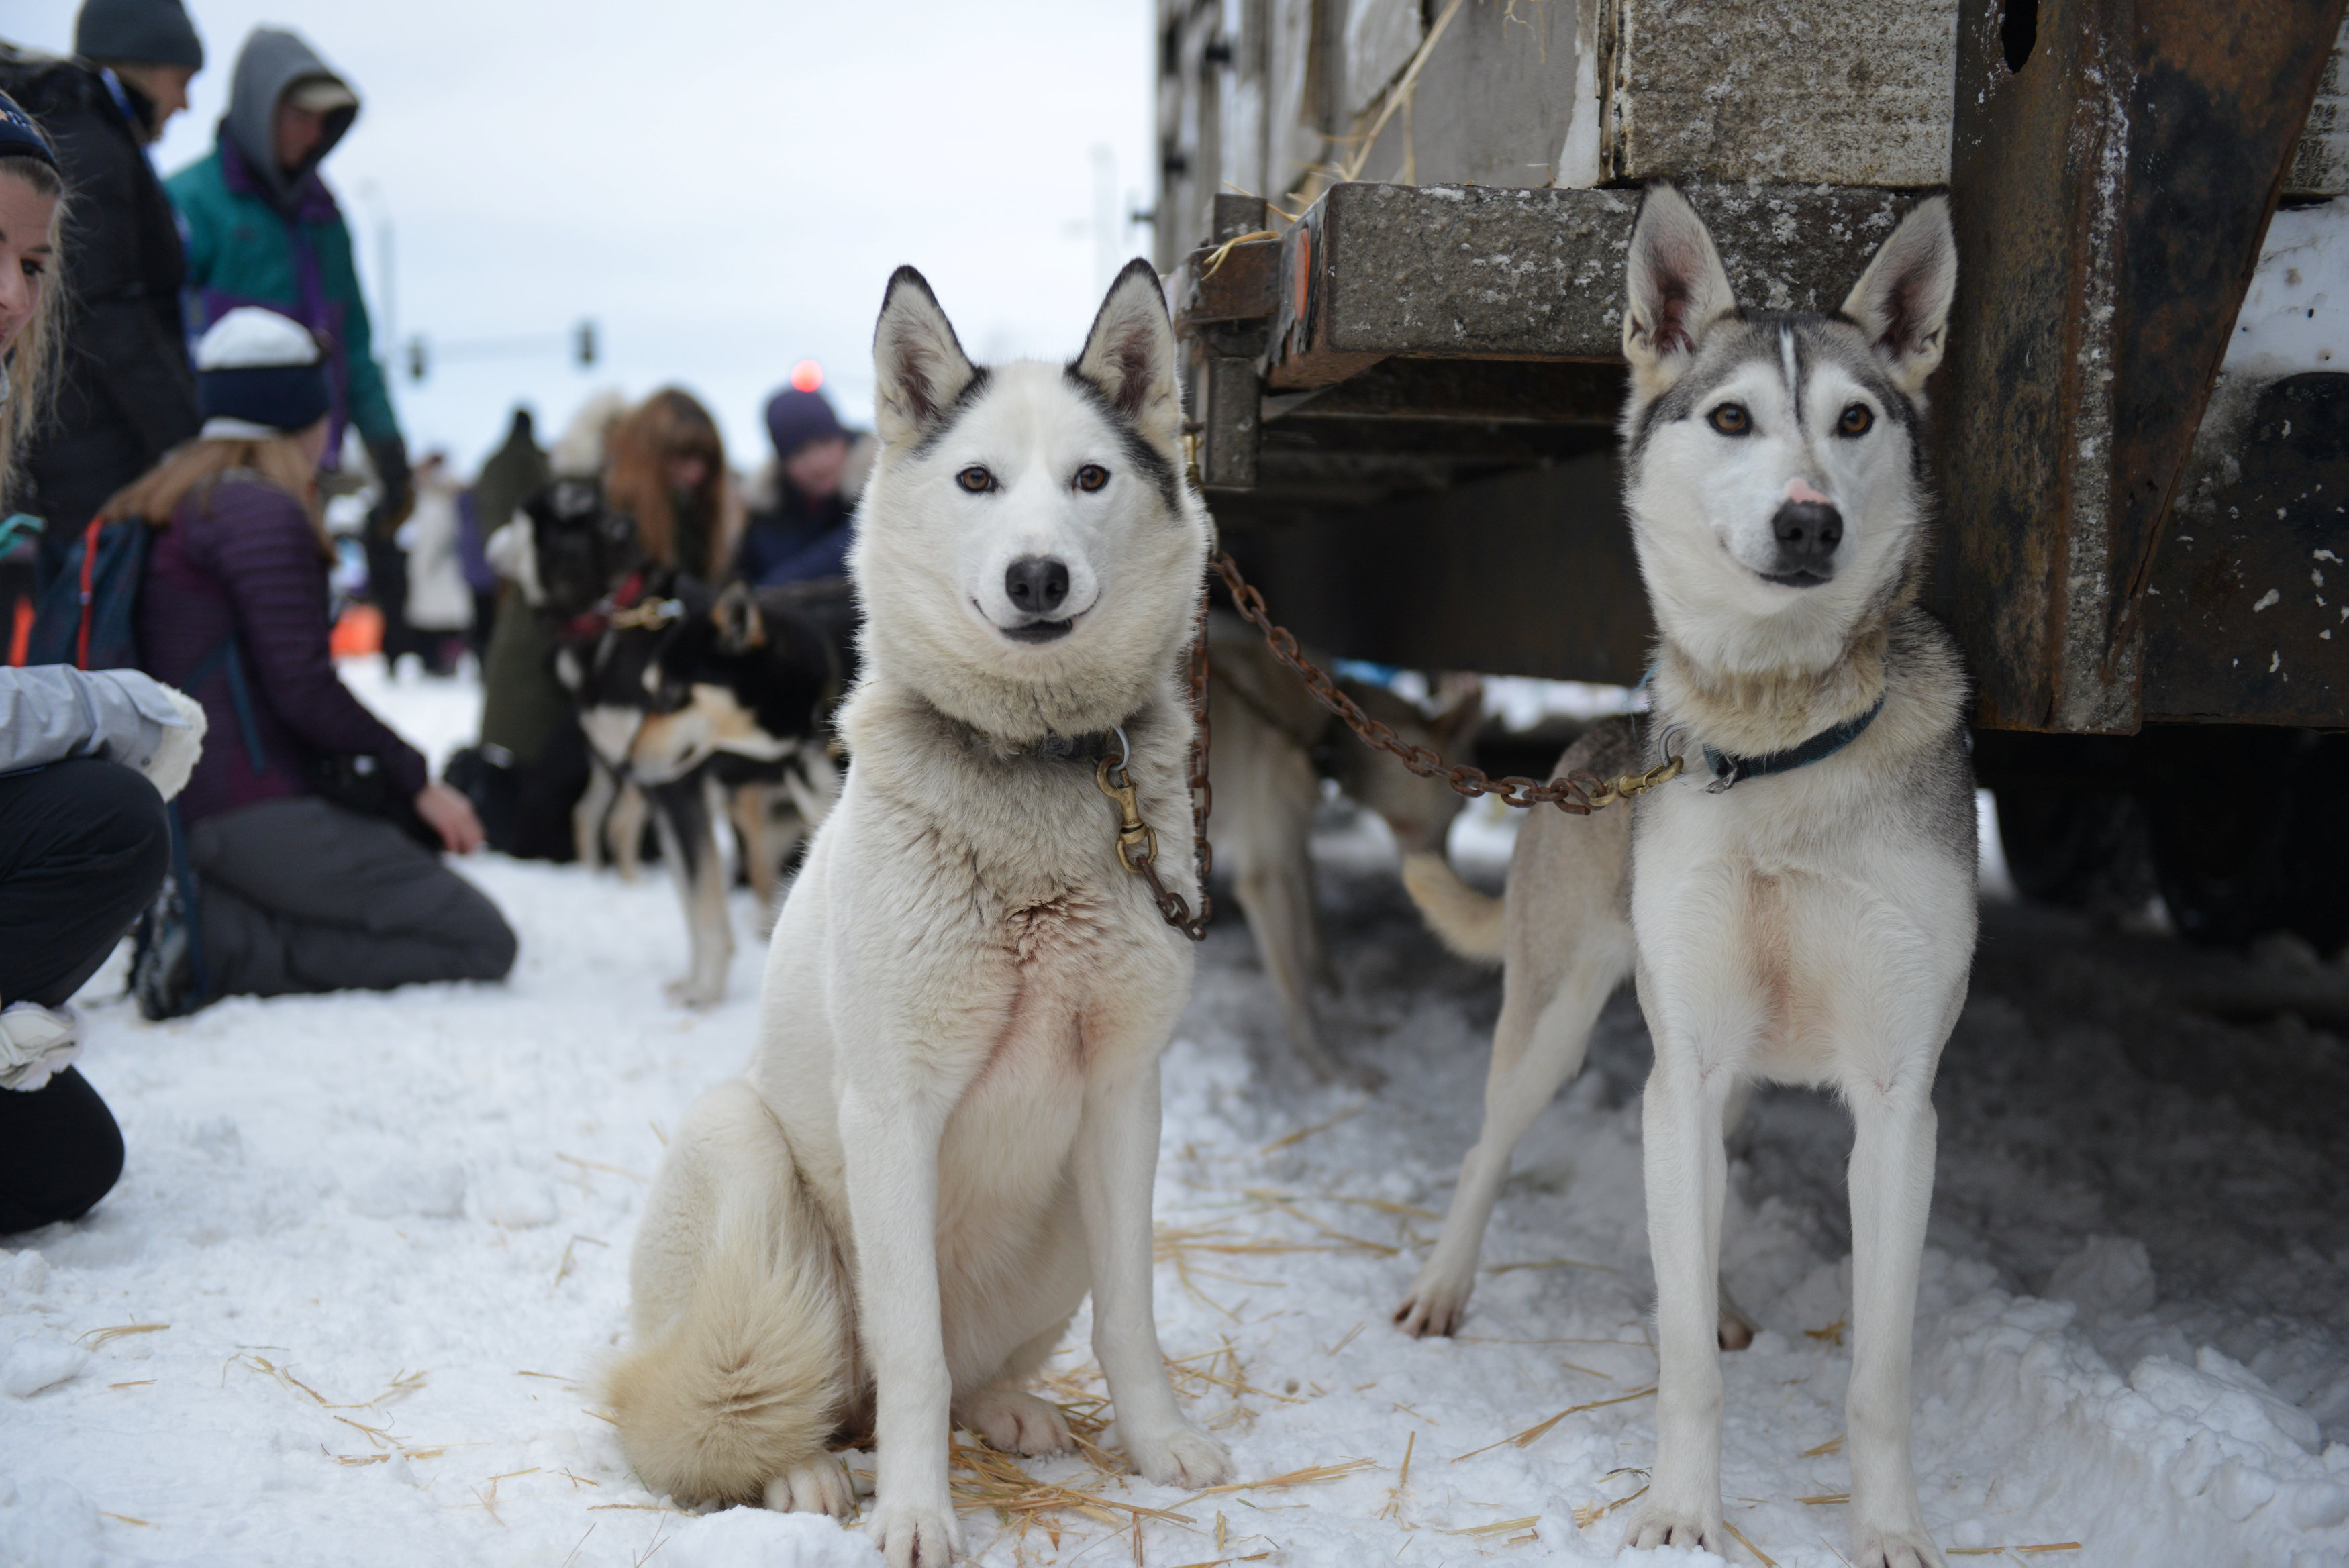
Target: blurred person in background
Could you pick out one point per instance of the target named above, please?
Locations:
(87, 758)
(801, 503)
(665, 468)
(440, 601)
(295, 891)
(127, 394)
(662, 464)
(509, 476)
(263, 229)
(531, 766)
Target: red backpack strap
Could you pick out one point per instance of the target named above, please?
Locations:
(88, 566)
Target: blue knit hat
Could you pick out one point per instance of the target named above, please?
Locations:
(259, 375)
(797, 419)
(20, 137)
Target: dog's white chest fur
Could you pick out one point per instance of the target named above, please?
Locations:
(1785, 918)
(1017, 948)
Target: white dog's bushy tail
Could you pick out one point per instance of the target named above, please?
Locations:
(1469, 922)
(745, 1384)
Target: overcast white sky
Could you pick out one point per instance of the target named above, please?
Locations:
(723, 185)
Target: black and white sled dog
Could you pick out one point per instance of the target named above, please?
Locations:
(1799, 907)
(948, 1131)
(692, 702)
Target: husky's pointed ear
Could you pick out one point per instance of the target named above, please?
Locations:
(1129, 354)
(1678, 289)
(918, 364)
(1902, 301)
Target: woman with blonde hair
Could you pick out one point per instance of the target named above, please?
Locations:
(296, 892)
(86, 760)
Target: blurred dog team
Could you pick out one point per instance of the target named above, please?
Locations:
(932, 687)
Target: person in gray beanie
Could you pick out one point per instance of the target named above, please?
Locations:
(141, 32)
(128, 395)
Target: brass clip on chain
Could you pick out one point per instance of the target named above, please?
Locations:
(1137, 845)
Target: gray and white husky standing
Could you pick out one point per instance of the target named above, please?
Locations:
(949, 1130)
(1799, 907)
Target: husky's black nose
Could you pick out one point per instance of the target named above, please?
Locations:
(1808, 533)
(1036, 584)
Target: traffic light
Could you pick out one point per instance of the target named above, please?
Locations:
(583, 344)
(418, 360)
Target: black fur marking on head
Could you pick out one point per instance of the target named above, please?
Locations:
(1131, 351)
(1138, 452)
(919, 383)
(941, 424)
(1684, 399)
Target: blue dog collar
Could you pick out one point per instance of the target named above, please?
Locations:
(1729, 769)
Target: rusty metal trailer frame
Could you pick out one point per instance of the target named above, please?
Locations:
(1404, 401)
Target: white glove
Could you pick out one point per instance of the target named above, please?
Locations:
(176, 753)
(36, 1043)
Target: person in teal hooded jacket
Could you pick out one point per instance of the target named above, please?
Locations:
(263, 229)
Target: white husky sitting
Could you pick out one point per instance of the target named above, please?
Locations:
(1798, 908)
(949, 1131)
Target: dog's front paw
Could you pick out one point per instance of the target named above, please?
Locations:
(1894, 1549)
(1436, 1305)
(1180, 1456)
(912, 1536)
(1016, 1423)
(696, 993)
(1659, 1525)
(819, 1486)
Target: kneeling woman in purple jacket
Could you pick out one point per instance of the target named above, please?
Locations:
(294, 892)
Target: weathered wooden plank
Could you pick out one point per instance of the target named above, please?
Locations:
(1244, 286)
(1473, 273)
(1847, 92)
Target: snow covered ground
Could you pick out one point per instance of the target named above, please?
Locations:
(346, 1304)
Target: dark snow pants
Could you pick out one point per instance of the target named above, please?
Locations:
(83, 848)
(301, 895)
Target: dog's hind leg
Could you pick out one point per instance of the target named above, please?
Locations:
(1269, 786)
(587, 817)
(688, 842)
(627, 830)
(1892, 1189)
(1012, 1419)
(1277, 899)
(1567, 947)
(747, 806)
(1537, 1045)
(743, 1352)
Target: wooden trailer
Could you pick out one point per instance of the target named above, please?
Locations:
(1394, 232)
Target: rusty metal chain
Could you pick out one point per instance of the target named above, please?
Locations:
(1578, 792)
(1137, 846)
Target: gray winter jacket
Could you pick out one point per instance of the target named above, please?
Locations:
(51, 712)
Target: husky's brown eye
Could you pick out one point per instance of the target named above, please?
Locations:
(1091, 477)
(1731, 419)
(976, 479)
(1857, 420)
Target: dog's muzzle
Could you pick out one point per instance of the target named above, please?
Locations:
(1037, 585)
(1807, 532)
